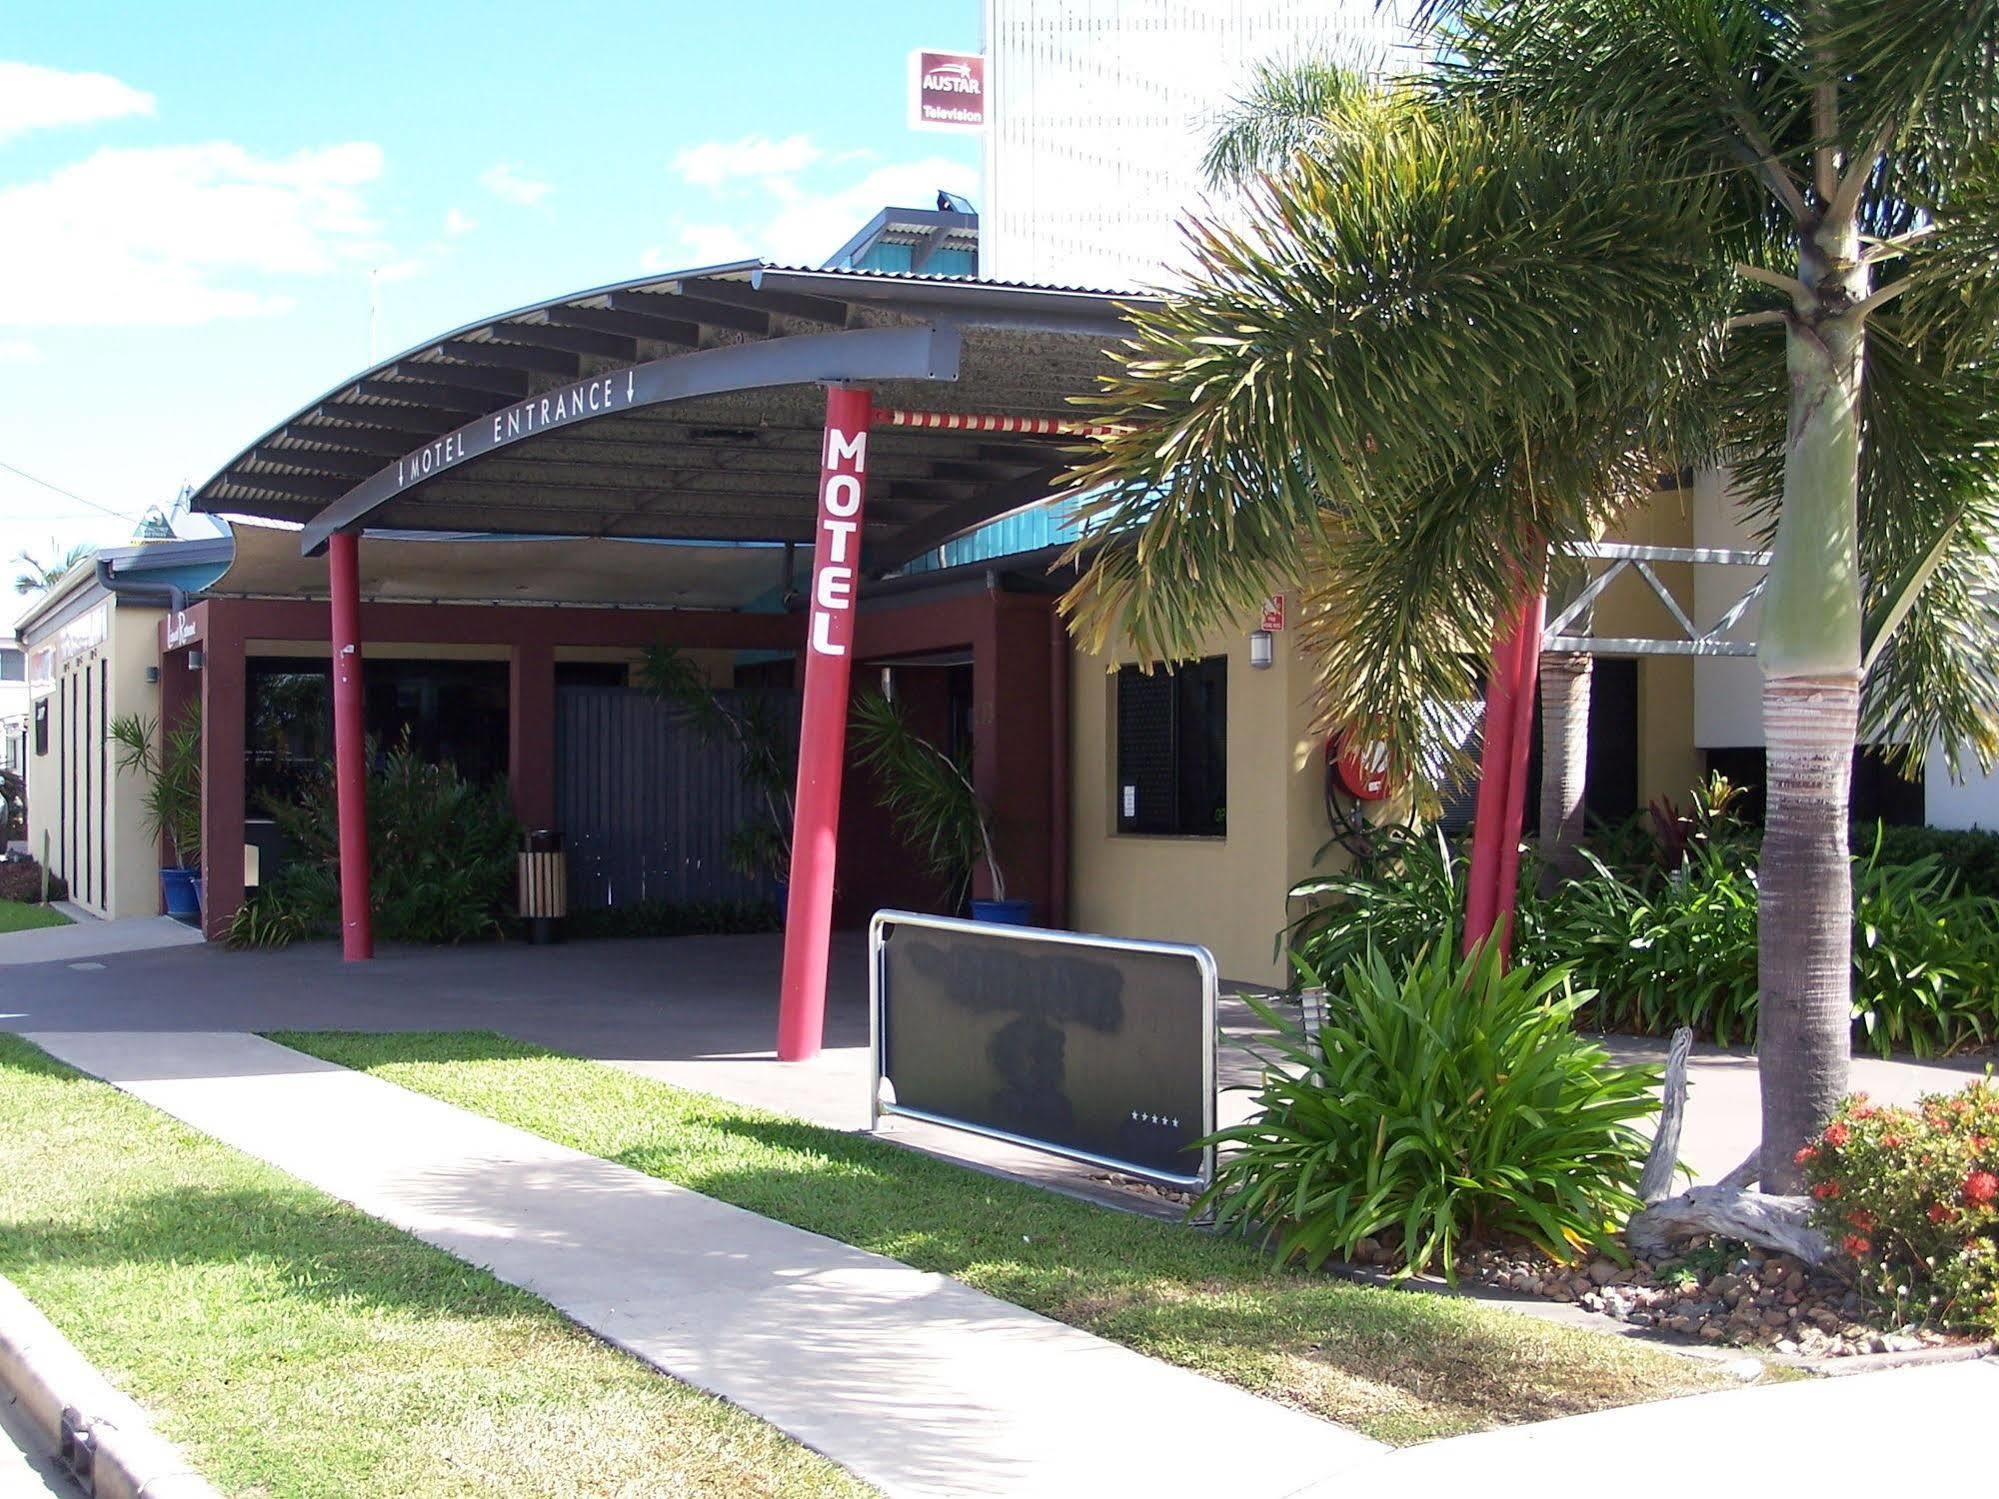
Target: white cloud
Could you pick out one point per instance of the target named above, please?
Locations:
(721, 163)
(37, 98)
(19, 351)
(700, 244)
(457, 221)
(167, 235)
(795, 224)
(809, 226)
(507, 181)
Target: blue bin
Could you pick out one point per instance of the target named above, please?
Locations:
(1004, 912)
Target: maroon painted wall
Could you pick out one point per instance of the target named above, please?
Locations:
(1019, 710)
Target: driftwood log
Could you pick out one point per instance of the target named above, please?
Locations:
(1729, 1208)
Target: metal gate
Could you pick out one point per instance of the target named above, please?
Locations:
(645, 803)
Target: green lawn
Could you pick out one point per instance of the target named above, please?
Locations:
(294, 1346)
(19, 916)
(1402, 1367)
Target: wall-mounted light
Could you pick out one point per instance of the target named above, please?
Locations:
(194, 660)
(152, 674)
(1262, 649)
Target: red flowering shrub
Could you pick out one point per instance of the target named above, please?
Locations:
(1913, 1196)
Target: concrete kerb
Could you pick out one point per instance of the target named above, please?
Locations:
(70, 1407)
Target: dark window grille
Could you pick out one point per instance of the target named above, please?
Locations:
(1172, 750)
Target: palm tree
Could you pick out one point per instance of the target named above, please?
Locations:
(40, 577)
(1467, 318)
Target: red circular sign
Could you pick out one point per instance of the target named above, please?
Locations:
(1362, 769)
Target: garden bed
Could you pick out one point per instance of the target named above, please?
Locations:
(1725, 1294)
(1400, 1368)
(291, 1345)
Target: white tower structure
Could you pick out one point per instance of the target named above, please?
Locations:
(1098, 112)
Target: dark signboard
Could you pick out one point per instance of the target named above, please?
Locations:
(1093, 1047)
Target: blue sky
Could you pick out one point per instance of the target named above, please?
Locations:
(195, 196)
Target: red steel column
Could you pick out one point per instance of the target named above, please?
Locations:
(822, 729)
(350, 746)
(1526, 673)
(1489, 816)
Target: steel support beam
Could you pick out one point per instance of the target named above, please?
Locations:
(822, 731)
(350, 746)
(806, 359)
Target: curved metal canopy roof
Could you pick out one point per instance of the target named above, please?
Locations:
(684, 407)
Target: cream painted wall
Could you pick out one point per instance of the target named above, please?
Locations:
(1668, 760)
(135, 880)
(1225, 893)
(1728, 690)
(132, 885)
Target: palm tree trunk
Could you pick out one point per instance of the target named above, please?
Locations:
(1565, 684)
(1810, 649)
(1805, 916)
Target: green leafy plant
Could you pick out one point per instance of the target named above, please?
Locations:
(13, 805)
(441, 854)
(1925, 959)
(266, 921)
(766, 751)
(1446, 1100)
(929, 793)
(172, 768)
(29, 881)
(1683, 954)
(1971, 854)
(1405, 900)
(1913, 1196)
(1665, 944)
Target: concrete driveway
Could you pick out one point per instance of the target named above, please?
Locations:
(699, 1012)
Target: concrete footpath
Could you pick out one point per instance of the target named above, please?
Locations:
(86, 937)
(1901, 1431)
(916, 1383)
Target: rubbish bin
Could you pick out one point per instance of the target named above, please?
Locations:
(544, 886)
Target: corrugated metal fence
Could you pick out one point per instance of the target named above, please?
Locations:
(646, 804)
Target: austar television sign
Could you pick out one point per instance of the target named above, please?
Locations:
(947, 91)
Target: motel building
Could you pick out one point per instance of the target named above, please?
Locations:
(516, 510)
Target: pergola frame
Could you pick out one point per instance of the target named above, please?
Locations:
(674, 408)
(1693, 641)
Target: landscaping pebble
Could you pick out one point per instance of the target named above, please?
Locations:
(1712, 1293)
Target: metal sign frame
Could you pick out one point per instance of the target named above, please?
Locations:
(1042, 936)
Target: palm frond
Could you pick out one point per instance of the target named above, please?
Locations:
(1297, 105)
(1310, 391)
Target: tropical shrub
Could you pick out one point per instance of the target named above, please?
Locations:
(1665, 946)
(1447, 1100)
(267, 919)
(21, 880)
(928, 793)
(1972, 854)
(1683, 953)
(171, 765)
(1913, 1196)
(13, 805)
(1406, 899)
(1925, 959)
(440, 848)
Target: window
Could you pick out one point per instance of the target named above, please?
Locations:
(450, 712)
(1172, 749)
(13, 664)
